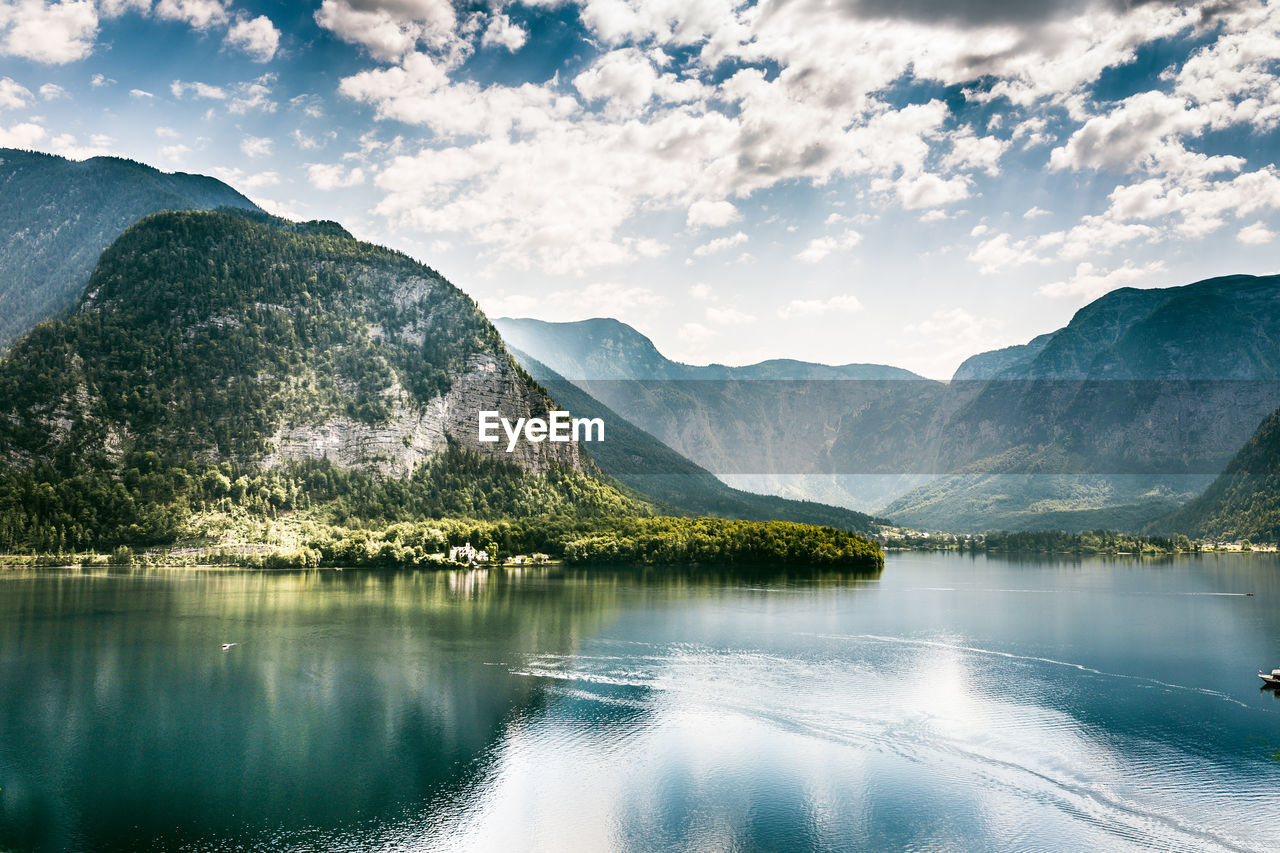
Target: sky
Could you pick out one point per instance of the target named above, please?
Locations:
(903, 182)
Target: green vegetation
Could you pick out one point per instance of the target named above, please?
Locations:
(1089, 542)
(1244, 501)
(149, 505)
(57, 215)
(207, 332)
(660, 540)
(318, 514)
(150, 419)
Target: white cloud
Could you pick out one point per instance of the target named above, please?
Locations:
(711, 214)
(1001, 252)
(390, 29)
(843, 304)
(552, 175)
(1256, 234)
(140, 94)
(242, 180)
(601, 299)
(628, 81)
(200, 14)
(1089, 282)
(304, 142)
(1128, 135)
(12, 94)
(174, 152)
(728, 316)
(97, 81)
(970, 151)
(24, 135)
(419, 91)
(257, 37)
(253, 95)
(503, 33)
(820, 247)
(311, 105)
(52, 91)
(294, 210)
(930, 190)
(68, 146)
(50, 33)
(720, 244)
(256, 146)
(1035, 212)
(947, 336)
(694, 333)
(198, 90)
(328, 176)
(703, 292)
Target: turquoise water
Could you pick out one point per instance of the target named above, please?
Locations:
(952, 703)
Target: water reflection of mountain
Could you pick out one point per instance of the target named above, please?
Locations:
(350, 696)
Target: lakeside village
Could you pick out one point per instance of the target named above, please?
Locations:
(1051, 541)
(252, 555)
(467, 555)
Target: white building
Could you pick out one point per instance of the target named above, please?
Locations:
(467, 554)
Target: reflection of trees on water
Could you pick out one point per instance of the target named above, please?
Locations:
(349, 695)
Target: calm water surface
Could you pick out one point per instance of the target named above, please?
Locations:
(953, 703)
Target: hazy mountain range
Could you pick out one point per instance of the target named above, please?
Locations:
(234, 337)
(1128, 411)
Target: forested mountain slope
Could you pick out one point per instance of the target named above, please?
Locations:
(57, 215)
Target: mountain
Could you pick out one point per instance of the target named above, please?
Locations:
(644, 463)
(1126, 412)
(234, 357)
(605, 348)
(1114, 420)
(1244, 501)
(57, 215)
(819, 433)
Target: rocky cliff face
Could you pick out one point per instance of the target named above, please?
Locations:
(226, 336)
(411, 435)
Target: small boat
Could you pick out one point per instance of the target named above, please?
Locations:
(1270, 679)
(226, 646)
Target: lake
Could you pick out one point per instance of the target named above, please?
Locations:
(951, 703)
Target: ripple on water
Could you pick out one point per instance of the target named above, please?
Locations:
(970, 717)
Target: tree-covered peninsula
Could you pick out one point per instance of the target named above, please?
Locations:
(236, 385)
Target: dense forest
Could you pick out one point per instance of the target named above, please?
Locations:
(149, 504)
(660, 540)
(150, 418)
(1244, 501)
(1088, 542)
(206, 332)
(350, 518)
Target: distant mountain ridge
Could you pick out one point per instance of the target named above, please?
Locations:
(58, 215)
(604, 348)
(642, 462)
(1130, 409)
(1124, 413)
